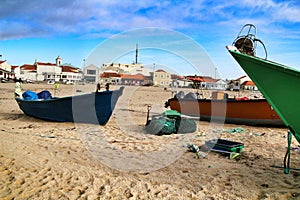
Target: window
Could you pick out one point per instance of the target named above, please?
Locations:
(168, 76)
(162, 76)
(93, 72)
(64, 76)
(155, 75)
(161, 82)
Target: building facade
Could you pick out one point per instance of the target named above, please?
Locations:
(161, 78)
(6, 70)
(249, 85)
(44, 71)
(91, 74)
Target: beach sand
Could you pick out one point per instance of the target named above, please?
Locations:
(50, 160)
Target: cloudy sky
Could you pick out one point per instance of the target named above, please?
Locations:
(41, 30)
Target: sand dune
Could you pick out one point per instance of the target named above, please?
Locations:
(49, 160)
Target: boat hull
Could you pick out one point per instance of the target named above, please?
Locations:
(93, 108)
(278, 83)
(248, 112)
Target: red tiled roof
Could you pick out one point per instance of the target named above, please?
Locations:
(69, 69)
(109, 74)
(43, 63)
(130, 76)
(250, 83)
(14, 66)
(195, 78)
(198, 79)
(2, 61)
(180, 77)
(202, 79)
(175, 76)
(209, 79)
(28, 67)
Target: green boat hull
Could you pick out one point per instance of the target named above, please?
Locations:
(278, 83)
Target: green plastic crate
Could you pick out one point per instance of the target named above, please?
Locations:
(225, 145)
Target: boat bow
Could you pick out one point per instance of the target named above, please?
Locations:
(278, 83)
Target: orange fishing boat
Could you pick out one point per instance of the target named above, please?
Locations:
(236, 111)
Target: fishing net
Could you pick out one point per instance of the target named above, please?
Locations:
(170, 122)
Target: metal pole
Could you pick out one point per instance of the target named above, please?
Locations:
(153, 72)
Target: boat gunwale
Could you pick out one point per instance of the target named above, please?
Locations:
(218, 100)
(270, 64)
(67, 97)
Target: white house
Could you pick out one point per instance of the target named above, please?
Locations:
(41, 71)
(49, 71)
(5, 70)
(215, 85)
(181, 82)
(235, 85)
(70, 73)
(26, 71)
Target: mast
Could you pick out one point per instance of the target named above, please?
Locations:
(136, 54)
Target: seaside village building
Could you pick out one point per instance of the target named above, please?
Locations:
(134, 68)
(178, 81)
(249, 85)
(162, 78)
(133, 74)
(125, 74)
(213, 84)
(241, 83)
(209, 83)
(91, 74)
(6, 70)
(42, 71)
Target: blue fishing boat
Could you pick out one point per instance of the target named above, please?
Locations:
(92, 108)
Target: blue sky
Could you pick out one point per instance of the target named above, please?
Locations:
(43, 30)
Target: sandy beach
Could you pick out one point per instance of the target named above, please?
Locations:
(50, 160)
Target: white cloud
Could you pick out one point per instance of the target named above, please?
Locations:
(90, 17)
(285, 10)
